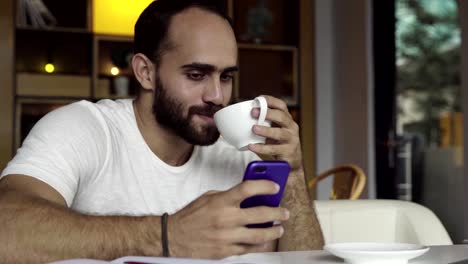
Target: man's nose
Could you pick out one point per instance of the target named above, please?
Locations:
(213, 92)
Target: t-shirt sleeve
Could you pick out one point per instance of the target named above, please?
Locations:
(65, 146)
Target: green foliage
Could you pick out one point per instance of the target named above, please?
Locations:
(428, 59)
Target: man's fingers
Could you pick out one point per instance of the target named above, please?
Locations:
(255, 236)
(275, 133)
(268, 150)
(280, 118)
(277, 117)
(263, 214)
(265, 247)
(221, 250)
(251, 188)
(276, 103)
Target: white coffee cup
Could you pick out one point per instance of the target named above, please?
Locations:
(235, 122)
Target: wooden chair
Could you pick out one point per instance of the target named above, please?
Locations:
(348, 183)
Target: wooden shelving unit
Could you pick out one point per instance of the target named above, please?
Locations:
(270, 65)
(104, 46)
(268, 69)
(7, 26)
(68, 46)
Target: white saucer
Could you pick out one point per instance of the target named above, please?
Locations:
(376, 253)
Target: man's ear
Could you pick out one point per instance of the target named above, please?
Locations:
(143, 68)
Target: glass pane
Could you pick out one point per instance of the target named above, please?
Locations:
(429, 118)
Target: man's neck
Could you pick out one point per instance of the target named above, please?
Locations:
(169, 147)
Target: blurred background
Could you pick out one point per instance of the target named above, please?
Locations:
(377, 83)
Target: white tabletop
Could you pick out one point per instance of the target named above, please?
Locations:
(436, 255)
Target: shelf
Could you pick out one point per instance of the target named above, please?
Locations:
(112, 52)
(113, 38)
(30, 84)
(267, 69)
(114, 97)
(43, 98)
(109, 76)
(71, 53)
(55, 29)
(105, 87)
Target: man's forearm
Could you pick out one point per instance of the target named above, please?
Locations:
(34, 230)
(302, 230)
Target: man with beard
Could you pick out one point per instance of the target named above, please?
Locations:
(150, 176)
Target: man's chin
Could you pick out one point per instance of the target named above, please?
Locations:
(207, 143)
(201, 141)
(206, 137)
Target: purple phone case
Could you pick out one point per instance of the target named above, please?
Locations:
(277, 171)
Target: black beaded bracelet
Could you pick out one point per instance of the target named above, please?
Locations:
(165, 242)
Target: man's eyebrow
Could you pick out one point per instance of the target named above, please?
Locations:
(208, 67)
(231, 69)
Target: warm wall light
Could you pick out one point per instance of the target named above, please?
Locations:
(49, 68)
(117, 17)
(114, 71)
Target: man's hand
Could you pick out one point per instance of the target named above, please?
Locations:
(283, 142)
(213, 226)
(302, 231)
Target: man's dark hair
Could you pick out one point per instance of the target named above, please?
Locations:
(152, 26)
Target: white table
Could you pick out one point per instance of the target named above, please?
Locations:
(436, 255)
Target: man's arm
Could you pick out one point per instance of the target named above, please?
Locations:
(302, 231)
(37, 227)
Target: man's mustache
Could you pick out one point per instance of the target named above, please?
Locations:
(206, 110)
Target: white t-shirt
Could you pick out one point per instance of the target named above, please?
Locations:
(94, 155)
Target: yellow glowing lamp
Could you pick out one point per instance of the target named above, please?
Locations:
(117, 17)
(115, 71)
(49, 68)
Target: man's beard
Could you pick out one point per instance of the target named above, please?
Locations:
(169, 112)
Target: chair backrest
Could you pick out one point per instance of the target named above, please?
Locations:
(380, 221)
(348, 182)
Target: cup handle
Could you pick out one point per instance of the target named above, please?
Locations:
(261, 101)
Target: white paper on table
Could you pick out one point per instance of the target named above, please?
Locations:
(139, 260)
(244, 259)
(254, 258)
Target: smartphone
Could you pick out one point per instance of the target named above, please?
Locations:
(277, 171)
